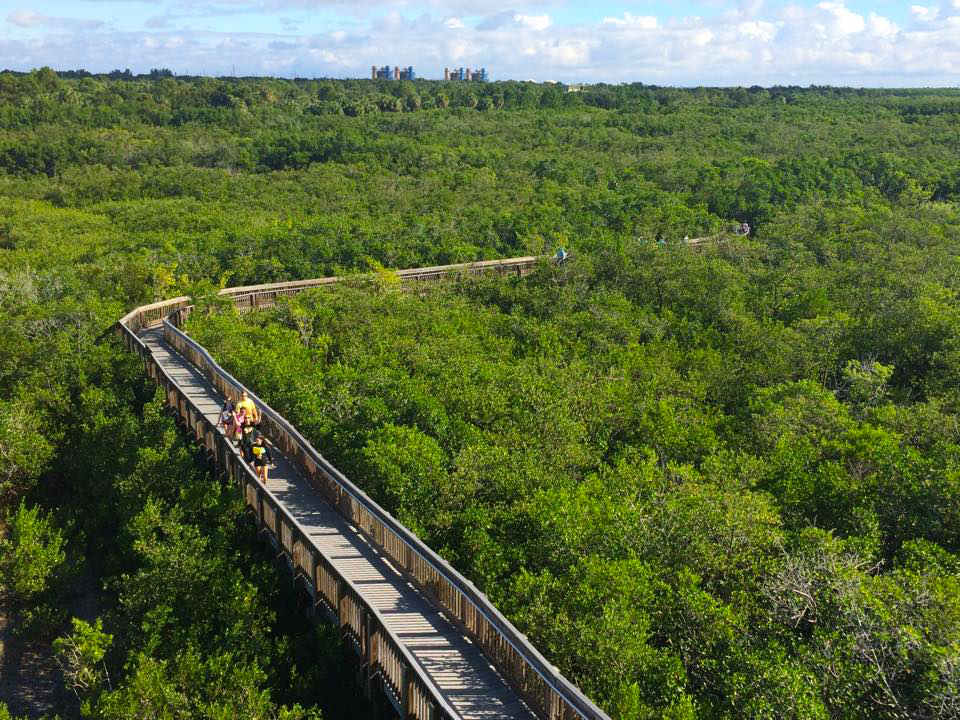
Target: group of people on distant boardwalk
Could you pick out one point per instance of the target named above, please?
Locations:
(241, 422)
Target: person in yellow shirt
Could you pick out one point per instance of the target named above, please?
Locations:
(249, 407)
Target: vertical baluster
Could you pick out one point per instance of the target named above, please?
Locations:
(405, 682)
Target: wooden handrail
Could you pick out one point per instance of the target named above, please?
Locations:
(408, 274)
(543, 687)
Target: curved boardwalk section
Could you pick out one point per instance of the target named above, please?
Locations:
(424, 634)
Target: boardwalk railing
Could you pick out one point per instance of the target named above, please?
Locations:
(381, 650)
(257, 296)
(541, 685)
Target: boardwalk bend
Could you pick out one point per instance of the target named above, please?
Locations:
(425, 636)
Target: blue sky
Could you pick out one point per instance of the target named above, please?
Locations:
(680, 42)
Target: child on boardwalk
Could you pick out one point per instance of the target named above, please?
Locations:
(262, 459)
(239, 421)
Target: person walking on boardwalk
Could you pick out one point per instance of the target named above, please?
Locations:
(262, 459)
(250, 407)
(239, 421)
(247, 439)
(227, 419)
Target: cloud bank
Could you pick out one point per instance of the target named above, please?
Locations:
(823, 42)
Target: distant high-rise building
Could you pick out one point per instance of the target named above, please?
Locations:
(467, 75)
(392, 73)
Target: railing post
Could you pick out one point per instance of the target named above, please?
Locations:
(278, 530)
(231, 473)
(374, 688)
(260, 523)
(405, 692)
(338, 591)
(372, 649)
(366, 637)
(315, 563)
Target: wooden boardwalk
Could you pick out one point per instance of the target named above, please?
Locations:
(424, 634)
(467, 680)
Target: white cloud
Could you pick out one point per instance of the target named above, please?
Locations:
(534, 22)
(881, 27)
(25, 18)
(640, 22)
(757, 30)
(31, 19)
(836, 20)
(701, 37)
(807, 41)
(457, 51)
(569, 54)
(924, 13)
(325, 56)
(157, 22)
